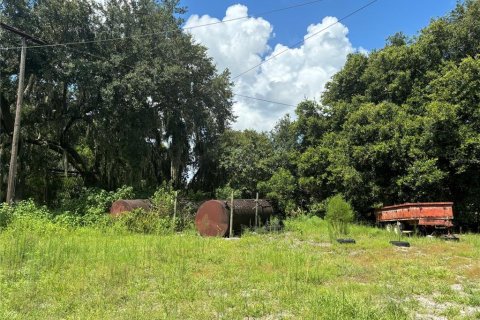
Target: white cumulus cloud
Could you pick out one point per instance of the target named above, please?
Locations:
(297, 73)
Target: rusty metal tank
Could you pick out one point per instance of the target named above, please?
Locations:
(122, 206)
(213, 216)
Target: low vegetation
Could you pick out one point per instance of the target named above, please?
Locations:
(339, 214)
(400, 124)
(51, 270)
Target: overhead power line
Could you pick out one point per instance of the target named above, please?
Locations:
(65, 45)
(167, 31)
(264, 100)
(256, 15)
(304, 40)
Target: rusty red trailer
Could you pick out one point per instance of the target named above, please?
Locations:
(423, 214)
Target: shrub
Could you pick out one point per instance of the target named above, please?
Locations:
(225, 193)
(25, 208)
(339, 214)
(70, 188)
(148, 222)
(89, 206)
(317, 209)
(6, 215)
(198, 196)
(281, 187)
(27, 216)
(163, 201)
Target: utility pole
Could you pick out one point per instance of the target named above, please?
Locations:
(230, 232)
(12, 172)
(256, 211)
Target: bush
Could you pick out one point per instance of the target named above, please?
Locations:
(225, 193)
(281, 187)
(25, 208)
(70, 188)
(198, 196)
(27, 216)
(6, 215)
(148, 222)
(339, 214)
(318, 209)
(89, 206)
(163, 201)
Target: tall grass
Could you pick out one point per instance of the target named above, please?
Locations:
(51, 271)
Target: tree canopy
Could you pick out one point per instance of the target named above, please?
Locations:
(400, 124)
(138, 110)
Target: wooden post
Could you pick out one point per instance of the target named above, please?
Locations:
(175, 207)
(230, 233)
(16, 129)
(399, 230)
(256, 211)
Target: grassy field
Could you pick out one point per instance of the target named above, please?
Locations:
(51, 272)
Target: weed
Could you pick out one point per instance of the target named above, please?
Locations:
(51, 270)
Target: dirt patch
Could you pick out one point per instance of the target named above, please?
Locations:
(436, 309)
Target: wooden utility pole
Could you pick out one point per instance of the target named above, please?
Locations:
(230, 233)
(256, 211)
(175, 207)
(12, 172)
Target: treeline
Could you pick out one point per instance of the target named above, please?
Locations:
(137, 110)
(401, 124)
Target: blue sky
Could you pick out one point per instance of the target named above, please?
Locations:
(301, 71)
(368, 28)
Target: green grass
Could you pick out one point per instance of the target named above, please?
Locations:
(53, 272)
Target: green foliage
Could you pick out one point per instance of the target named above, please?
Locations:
(135, 113)
(226, 191)
(422, 180)
(163, 201)
(29, 208)
(245, 159)
(398, 125)
(91, 211)
(161, 215)
(26, 216)
(197, 195)
(6, 214)
(318, 209)
(94, 201)
(281, 187)
(311, 124)
(339, 214)
(69, 190)
(147, 222)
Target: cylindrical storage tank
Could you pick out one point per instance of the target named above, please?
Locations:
(121, 206)
(213, 216)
